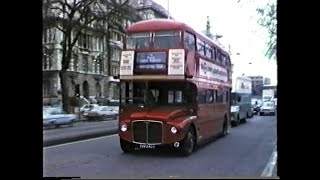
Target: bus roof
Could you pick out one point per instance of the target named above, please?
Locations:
(169, 24)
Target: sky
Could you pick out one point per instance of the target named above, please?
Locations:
(237, 22)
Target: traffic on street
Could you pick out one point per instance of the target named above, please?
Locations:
(132, 90)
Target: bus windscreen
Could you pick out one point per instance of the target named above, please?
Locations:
(166, 40)
(138, 41)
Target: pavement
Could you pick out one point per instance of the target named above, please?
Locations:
(245, 152)
(81, 130)
(275, 171)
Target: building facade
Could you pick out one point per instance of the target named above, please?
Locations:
(257, 85)
(87, 73)
(267, 81)
(91, 69)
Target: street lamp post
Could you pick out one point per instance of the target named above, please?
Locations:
(168, 9)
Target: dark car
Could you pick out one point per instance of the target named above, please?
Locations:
(256, 105)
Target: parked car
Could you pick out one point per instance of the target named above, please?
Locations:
(88, 107)
(268, 107)
(256, 104)
(102, 113)
(55, 117)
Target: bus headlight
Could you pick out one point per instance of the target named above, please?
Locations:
(124, 127)
(173, 130)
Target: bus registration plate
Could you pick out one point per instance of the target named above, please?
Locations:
(147, 146)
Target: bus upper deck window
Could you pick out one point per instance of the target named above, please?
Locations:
(168, 39)
(138, 41)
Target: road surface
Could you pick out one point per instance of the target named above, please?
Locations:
(79, 128)
(245, 152)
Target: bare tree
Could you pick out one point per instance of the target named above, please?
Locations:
(115, 23)
(72, 17)
(268, 20)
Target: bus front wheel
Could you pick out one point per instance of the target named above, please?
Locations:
(126, 147)
(188, 144)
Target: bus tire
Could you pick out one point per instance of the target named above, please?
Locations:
(126, 147)
(225, 128)
(188, 143)
(244, 120)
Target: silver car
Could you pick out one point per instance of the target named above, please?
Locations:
(267, 107)
(55, 117)
(102, 113)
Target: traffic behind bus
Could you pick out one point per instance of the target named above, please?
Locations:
(241, 107)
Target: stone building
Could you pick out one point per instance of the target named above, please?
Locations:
(257, 85)
(90, 72)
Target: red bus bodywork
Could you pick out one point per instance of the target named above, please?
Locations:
(206, 119)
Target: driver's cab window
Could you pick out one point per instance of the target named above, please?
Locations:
(151, 95)
(174, 96)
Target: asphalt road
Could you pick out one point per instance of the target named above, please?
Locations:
(78, 129)
(245, 152)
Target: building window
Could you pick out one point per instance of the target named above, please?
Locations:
(116, 53)
(97, 65)
(85, 62)
(46, 88)
(47, 59)
(74, 63)
(119, 37)
(101, 66)
(85, 41)
(94, 65)
(98, 90)
(114, 70)
(144, 16)
(49, 35)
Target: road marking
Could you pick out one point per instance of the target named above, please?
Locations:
(91, 139)
(268, 170)
(173, 176)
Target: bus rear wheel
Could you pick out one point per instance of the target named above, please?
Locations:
(126, 147)
(188, 144)
(225, 128)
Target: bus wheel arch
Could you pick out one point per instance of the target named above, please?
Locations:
(225, 126)
(193, 127)
(188, 144)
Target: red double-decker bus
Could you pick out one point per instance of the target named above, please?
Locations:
(175, 87)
